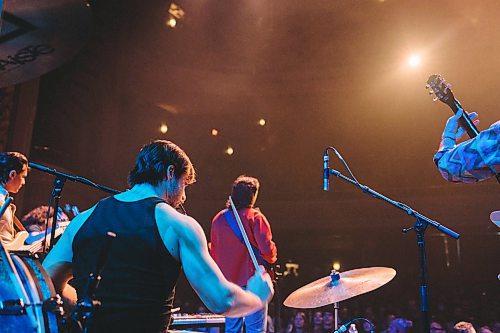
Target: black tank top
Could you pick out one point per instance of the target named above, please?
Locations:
(139, 277)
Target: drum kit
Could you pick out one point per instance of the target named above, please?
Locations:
(29, 302)
(338, 287)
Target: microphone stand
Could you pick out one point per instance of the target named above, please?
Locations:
(421, 224)
(59, 182)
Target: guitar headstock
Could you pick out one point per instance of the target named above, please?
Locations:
(441, 90)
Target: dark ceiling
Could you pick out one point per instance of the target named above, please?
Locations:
(322, 73)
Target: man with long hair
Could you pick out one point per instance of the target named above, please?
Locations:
(152, 242)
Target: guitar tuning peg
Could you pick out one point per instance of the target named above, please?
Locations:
(435, 99)
(427, 86)
(431, 92)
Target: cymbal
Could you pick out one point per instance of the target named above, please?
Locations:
(38, 36)
(351, 283)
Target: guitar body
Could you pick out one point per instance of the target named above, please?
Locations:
(18, 241)
(37, 245)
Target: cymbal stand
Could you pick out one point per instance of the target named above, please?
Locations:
(335, 276)
(277, 299)
(421, 224)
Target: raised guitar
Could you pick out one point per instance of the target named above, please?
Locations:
(441, 89)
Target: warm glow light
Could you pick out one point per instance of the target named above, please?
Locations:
(336, 265)
(215, 132)
(262, 121)
(230, 150)
(414, 60)
(163, 128)
(171, 22)
(175, 13)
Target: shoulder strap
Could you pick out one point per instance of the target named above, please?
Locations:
(233, 224)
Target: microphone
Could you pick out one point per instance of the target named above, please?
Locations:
(326, 172)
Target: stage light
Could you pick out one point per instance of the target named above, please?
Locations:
(171, 22)
(336, 265)
(163, 128)
(291, 269)
(175, 14)
(262, 121)
(215, 132)
(229, 150)
(414, 60)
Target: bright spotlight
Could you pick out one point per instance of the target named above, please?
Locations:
(262, 121)
(414, 60)
(229, 150)
(175, 13)
(215, 132)
(336, 265)
(163, 128)
(171, 22)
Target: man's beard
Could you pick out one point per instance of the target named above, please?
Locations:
(174, 197)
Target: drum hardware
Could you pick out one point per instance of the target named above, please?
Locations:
(12, 307)
(28, 301)
(54, 305)
(17, 307)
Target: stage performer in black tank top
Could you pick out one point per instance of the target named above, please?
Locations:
(153, 242)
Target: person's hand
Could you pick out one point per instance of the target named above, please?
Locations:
(260, 284)
(453, 130)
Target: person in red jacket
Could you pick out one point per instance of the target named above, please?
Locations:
(230, 252)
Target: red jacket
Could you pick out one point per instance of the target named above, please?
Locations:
(232, 255)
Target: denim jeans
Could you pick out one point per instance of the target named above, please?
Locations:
(254, 323)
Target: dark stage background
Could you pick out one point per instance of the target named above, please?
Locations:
(321, 73)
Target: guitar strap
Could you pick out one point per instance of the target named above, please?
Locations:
(19, 225)
(231, 220)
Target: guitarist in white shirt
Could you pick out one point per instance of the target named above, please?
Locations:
(13, 172)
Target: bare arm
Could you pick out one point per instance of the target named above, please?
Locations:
(220, 295)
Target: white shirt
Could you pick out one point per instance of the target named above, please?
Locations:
(7, 231)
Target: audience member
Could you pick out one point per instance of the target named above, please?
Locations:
(317, 322)
(464, 327)
(299, 323)
(400, 325)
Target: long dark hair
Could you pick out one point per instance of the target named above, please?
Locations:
(153, 160)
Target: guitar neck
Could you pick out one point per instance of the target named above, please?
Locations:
(465, 121)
